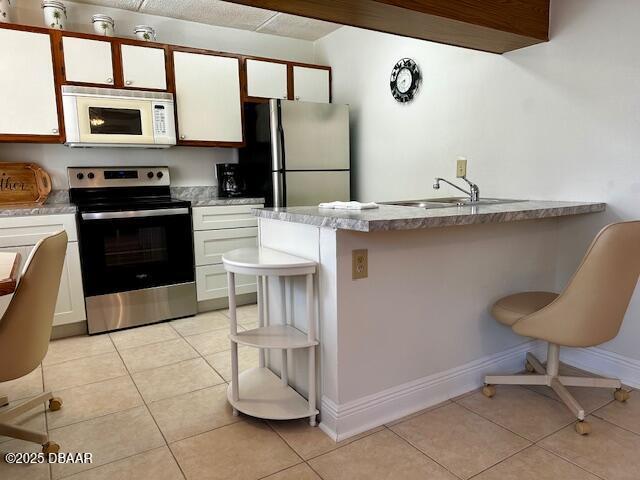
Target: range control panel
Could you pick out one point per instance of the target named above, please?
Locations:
(101, 177)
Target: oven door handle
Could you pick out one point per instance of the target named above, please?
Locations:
(161, 212)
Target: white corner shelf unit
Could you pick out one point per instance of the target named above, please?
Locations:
(259, 392)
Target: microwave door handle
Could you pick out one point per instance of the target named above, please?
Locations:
(161, 212)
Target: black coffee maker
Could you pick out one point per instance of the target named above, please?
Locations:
(231, 182)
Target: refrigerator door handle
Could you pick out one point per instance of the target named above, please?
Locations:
(279, 193)
(277, 135)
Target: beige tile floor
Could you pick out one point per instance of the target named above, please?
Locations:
(151, 403)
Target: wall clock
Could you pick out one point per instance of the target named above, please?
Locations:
(405, 80)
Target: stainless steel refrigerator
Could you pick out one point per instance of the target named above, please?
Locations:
(297, 153)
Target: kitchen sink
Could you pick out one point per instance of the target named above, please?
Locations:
(450, 202)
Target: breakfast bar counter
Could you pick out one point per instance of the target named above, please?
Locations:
(395, 217)
(404, 297)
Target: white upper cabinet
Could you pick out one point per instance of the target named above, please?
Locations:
(143, 67)
(208, 97)
(87, 61)
(266, 79)
(27, 88)
(311, 84)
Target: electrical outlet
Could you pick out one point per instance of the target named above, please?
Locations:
(359, 264)
(461, 167)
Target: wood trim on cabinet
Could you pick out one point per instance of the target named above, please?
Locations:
(86, 36)
(116, 61)
(58, 77)
(203, 51)
(204, 143)
(26, 28)
(28, 138)
(290, 65)
(245, 75)
(291, 83)
(119, 68)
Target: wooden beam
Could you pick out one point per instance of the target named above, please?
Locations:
(496, 26)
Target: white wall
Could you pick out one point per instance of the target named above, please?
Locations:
(189, 165)
(560, 120)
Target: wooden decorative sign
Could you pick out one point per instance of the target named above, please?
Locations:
(23, 184)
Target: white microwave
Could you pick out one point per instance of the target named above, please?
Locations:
(107, 117)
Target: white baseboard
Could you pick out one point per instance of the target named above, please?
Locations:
(603, 362)
(351, 418)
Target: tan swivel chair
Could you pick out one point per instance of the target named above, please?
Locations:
(588, 312)
(25, 330)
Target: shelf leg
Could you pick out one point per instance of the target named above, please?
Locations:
(265, 298)
(312, 384)
(311, 336)
(287, 301)
(235, 413)
(261, 358)
(284, 368)
(231, 282)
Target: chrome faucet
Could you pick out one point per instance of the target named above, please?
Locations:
(474, 191)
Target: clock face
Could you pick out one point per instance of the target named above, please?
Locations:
(405, 80)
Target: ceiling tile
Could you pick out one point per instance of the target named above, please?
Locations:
(122, 4)
(297, 27)
(212, 12)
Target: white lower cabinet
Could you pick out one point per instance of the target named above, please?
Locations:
(211, 282)
(212, 238)
(210, 245)
(20, 234)
(224, 216)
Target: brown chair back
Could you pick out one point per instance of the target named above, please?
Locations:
(591, 308)
(25, 327)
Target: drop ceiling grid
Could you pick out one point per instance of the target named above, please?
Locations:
(227, 14)
(212, 12)
(132, 5)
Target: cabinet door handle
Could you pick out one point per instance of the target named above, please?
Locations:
(109, 80)
(182, 137)
(54, 130)
(128, 82)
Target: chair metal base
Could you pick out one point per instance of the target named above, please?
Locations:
(20, 433)
(549, 376)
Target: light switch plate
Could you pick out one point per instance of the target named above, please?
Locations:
(461, 167)
(359, 264)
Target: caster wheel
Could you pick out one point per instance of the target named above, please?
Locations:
(529, 368)
(50, 447)
(583, 428)
(488, 391)
(621, 395)
(55, 404)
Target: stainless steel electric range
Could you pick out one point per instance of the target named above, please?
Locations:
(136, 246)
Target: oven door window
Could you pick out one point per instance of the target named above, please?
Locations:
(114, 120)
(135, 253)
